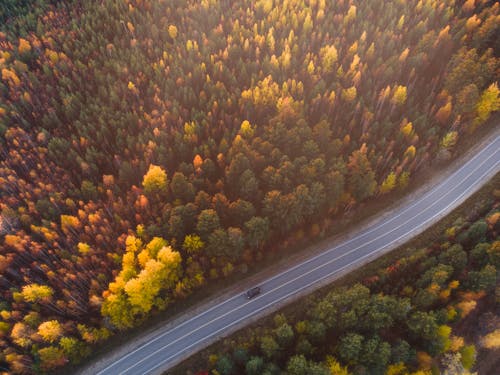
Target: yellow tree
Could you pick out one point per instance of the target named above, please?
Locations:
(50, 330)
(35, 293)
(488, 103)
(155, 180)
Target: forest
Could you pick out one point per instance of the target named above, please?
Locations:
(405, 319)
(151, 147)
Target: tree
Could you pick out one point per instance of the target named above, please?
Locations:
(269, 347)
(454, 256)
(224, 365)
(254, 366)
(192, 244)
(361, 179)
(257, 231)
(181, 188)
(399, 96)
(51, 357)
(422, 325)
(388, 184)
(485, 279)
(155, 181)
(298, 365)
(74, 349)
(208, 222)
(50, 330)
(284, 335)
(488, 103)
(335, 367)
(35, 293)
(468, 359)
(172, 31)
(350, 347)
(375, 354)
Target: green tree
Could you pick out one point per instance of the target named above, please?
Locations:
(208, 222)
(254, 366)
(224, 365)
(350, 347)
(361, 179)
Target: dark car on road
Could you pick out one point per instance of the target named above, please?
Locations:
(252, 292)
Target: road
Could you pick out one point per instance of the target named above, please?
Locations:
(176, 343)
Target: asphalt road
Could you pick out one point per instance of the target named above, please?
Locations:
(170, 347)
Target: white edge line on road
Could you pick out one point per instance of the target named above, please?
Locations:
(324, 264)
(327, 251)
(313, 282)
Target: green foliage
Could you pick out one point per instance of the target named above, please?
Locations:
(400, 321)
(224, 135)
(468, 353)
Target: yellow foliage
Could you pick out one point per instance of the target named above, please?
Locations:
(50, 330)
(399, 96)
(335, 367)
(24, 46)
(20, 334)
(407, 129)
(487, 104)
(246, 129)
(11, 77)
(454, 284)
(451, 313)
(491, 340)
(349, 94)
(466, 307)
(133, 244)
(410, 152)
(329, 57)
(449, 140)
(396, 369)
(172, 31)
(155, 180)
(351, 14)
(83, 248)
(34, 293)
(388, 184)
(69, 222)
(444, 332)
(457, 343)
(52, 55)
(12, 240)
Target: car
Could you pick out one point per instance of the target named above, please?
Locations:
(252, 292)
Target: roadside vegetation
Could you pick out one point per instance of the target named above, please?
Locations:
(414, 315)
(151, 148)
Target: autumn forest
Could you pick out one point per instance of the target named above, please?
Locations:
(151, 147)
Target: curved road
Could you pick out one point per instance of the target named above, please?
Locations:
(175, 344)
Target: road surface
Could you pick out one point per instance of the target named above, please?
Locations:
(174, 344)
